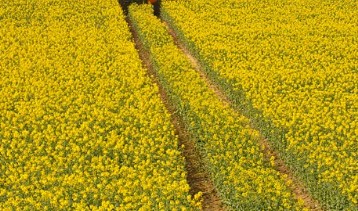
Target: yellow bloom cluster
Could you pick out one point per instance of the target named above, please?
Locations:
(295, 63)
(244, 179)
(81, 125)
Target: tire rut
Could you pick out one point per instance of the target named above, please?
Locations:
(293, 183)
(198, 178)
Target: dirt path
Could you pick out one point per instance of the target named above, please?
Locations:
(296, 186)
(196, 64)
(198, 179)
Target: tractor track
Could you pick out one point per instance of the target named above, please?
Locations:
(197, 177)
(297, 187)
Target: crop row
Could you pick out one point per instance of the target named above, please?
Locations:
(291, 66)
(244, 179)
(81, 125)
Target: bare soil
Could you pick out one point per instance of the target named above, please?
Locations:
(196, 64)
(197, 177)
(295, 184)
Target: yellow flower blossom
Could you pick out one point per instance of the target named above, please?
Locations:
(81, 124)
(291, 66)
(228, 143)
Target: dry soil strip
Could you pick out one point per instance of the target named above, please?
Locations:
(294, 183)
(198, 179)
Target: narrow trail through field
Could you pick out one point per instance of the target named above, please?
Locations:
(197, 177)
(294, 183)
